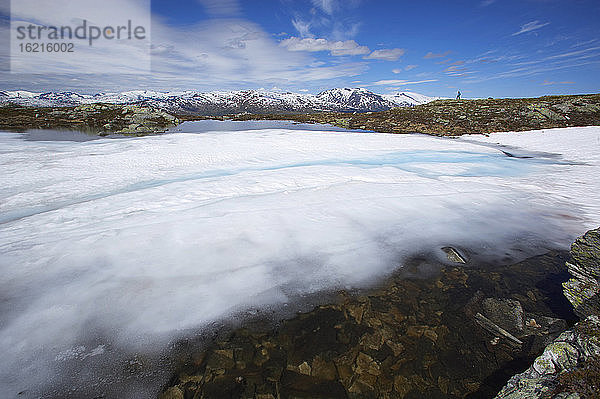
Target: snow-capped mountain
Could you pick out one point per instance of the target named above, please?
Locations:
(408, 99)
(356, 99)
(228, 102)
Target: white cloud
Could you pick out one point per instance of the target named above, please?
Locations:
(486, 3)
(338, 48)
(221, 8)
(431, 55)
(99, 55)
(548, 83)
(302, 27)
(574, 53)
(385, 54)
(210, 55)
(406, 68)
(401, 82)
(530, 26)
(327, 6)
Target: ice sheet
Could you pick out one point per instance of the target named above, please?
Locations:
(130, 243)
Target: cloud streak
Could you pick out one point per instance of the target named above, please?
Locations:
(385, 54)
(430, 55)
(336, 48)
(530, 27)
(401, 82)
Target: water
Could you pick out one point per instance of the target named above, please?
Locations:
(110, 249)
(215, 126)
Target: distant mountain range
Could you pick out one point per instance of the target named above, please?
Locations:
(229, 102)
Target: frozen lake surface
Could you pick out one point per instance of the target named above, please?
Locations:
(112, 248)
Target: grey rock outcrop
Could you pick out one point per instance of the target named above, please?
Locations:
(569, 351)
(570, 355)
(582, 290)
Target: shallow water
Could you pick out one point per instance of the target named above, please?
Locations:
(111, 247)
(209, 125)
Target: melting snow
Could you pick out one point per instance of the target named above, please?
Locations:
(133, 241)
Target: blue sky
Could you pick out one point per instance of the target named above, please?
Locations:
(498, 48)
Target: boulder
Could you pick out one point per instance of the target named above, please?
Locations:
(575, 354)
(582, 290)
(564, 355)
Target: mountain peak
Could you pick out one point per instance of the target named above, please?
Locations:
(346, 99)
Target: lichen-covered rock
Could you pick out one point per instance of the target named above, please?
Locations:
(454, 118)
(582, 290)
(102, 119)
(566, 353)
(569, 356)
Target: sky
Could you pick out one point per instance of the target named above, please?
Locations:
(484, 48)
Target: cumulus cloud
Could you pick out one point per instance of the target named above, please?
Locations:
(119, 55)
(336, 48)
(385, 54)
(530, 27)
(227, 53)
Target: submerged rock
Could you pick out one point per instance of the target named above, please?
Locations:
(453, 255)
(408, 338)
(507, 313)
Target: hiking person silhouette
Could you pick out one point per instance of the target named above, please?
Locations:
(458, 95)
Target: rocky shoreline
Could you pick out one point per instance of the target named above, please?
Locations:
(440, 117)
(100, 119)
(458, 117)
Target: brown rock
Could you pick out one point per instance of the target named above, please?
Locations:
(324, 369)
(431, 335)
(443, 384)
(401, 385)
(416, 331)
(172, 393)
(356, 311)
(371, 341)
(366, 364)
(304, 368)
(396, 347)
